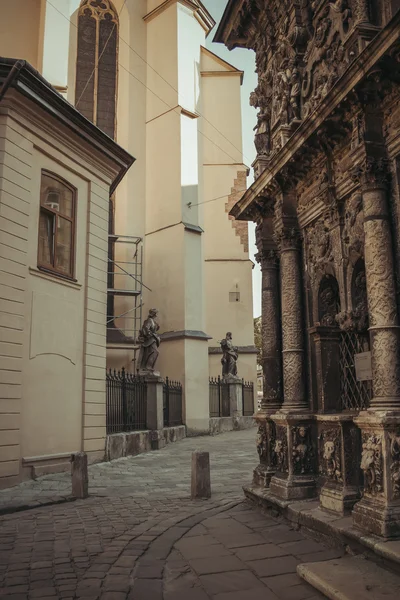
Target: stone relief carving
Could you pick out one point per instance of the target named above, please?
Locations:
(281, 449)
(330, 463)
(319, 249)
(262, 442)
(303, 451)
(371, 462)
(395, 463)
(328, 301)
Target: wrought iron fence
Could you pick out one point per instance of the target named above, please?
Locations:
(126, 402)
(172, 397)
(354, 394)
(219, 398)
(248, 398)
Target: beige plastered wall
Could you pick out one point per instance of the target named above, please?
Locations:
(21, 30)
(227, 264)
(52, 332)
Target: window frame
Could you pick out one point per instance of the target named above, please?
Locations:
(48, 267)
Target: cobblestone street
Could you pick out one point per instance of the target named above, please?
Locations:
(140, 537)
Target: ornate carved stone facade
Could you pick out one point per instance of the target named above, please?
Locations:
(327, 207)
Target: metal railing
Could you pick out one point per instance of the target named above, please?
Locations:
(219, 398)
(248, 398)
(172, 396)
(126, 406)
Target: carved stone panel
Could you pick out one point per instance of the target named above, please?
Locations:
(281, 449)
(330, 454)
(372, 463)
(395, 463)
(303, 450)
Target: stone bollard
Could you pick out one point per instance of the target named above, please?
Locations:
(79, 475)
(201, 482)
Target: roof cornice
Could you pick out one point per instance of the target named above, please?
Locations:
(28, 82)
(199, 11)
(227, 21)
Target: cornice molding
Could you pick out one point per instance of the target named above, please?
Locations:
(200, 13)
(354, 75)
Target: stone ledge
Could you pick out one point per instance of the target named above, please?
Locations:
(132, 443)
(334, 529)
(224, 424)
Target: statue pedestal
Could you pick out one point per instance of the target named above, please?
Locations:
(155, 412)
(235, 395)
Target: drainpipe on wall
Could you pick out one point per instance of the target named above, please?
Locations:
(11, 77)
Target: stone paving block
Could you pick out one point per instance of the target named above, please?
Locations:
(146, 589)
(149, 569)
(322, 555)
(297, 592)
(258, 552)
(240, 541)
(213, 551)
(203, 566)
(187, 594)
(279, 582)
(254, 594)
(204, 540)
(274, 566)
(281, 533)
(230, 582)
(304, 546)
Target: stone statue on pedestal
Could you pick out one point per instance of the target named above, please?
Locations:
(149, 343)
(229, 358)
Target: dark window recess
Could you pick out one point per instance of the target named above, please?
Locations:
(96, 65)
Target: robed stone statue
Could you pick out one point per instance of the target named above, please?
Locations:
(229, 358)
(149, 343)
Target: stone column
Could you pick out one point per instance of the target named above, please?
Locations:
(292, 327)
(295, 452)
(272, 366)
(379, 510)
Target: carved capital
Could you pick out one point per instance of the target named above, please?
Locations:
(373, 173)
(287, 238)
(267, 259)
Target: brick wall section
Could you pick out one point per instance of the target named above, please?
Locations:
(15, 184)
(94, 413)
(241, 227)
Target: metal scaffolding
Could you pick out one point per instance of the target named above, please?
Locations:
(124, 291)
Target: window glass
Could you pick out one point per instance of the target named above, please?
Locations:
(56, 225)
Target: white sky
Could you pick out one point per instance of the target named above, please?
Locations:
(245, 61)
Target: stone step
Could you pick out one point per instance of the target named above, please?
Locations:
(351, 578)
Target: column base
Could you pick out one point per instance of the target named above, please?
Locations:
(293, 488)
(377, 518)
(338, 499)
(262, 476)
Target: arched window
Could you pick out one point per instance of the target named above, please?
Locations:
(96, 65)
(56, 248)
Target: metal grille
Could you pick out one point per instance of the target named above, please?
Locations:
(126, 402)
(172, 403)
(354, 395)
(248, 398)
(219, 398)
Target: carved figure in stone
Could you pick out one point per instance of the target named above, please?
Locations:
(302, 450)
(395, 466)
(328, 301)
(261, 138)
(280, 449)
(330, 459)
(229, 356)
(262, 442)
(295, 93)
(371, 463)
(149, 342)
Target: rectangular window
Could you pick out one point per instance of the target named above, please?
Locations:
(56, 226)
